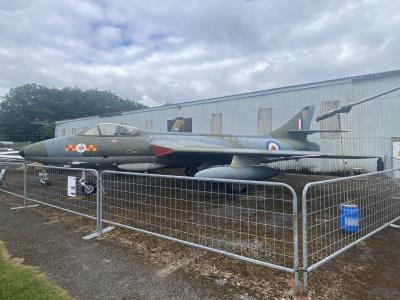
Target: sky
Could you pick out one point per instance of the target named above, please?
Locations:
(158, 52)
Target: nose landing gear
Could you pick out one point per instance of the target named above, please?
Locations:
(88, 187)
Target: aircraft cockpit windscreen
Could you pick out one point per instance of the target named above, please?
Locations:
(109, 129)
(93, 131)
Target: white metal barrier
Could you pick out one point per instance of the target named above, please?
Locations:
(69, 189)
(252, 221)
(339, 213)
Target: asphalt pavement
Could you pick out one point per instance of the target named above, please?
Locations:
(95, 269)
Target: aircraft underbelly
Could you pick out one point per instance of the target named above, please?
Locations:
(185, 159)
(84, 161)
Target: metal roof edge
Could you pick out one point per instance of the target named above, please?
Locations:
(77, 119)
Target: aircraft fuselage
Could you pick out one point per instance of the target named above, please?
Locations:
(111, 151)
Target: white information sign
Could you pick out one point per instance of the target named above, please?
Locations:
(71, 186)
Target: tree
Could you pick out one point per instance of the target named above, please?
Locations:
(28, 112)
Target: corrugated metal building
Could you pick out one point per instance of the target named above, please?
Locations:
(372, 126)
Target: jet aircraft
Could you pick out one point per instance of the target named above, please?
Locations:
(128, 148)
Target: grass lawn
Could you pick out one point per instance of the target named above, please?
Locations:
(19, 282)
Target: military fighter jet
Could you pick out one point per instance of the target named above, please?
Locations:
(129, 148)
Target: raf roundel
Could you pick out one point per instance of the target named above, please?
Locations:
(80, 148)
(272, 146)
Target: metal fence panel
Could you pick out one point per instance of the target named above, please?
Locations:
(257, 224)
(252, 221)
(12, 178)
(339, 213)
(49, 186)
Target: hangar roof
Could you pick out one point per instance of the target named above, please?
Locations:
(250, 94)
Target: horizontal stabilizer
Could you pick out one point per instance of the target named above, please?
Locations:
(300, 122)
(315, 131)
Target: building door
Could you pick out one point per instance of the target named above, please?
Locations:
(396, 153)
(216, 123)
(264, 120)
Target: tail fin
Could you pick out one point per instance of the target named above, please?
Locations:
(298, 127)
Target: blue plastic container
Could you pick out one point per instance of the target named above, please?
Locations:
(349, 218)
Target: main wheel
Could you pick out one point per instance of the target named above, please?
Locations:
(190, 171)
(236, 189)
(45, 182)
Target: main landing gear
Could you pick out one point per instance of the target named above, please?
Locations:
(44, 178)
(236, 188)
(190, 171)
(88, 187)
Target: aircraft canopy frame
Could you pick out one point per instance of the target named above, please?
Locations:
(111, 129)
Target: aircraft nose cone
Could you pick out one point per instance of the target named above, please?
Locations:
(34, 150)
(22, 152)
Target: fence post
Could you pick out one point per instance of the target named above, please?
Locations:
(99, 210)
(295, 241)
(99, 195)
(304, 231)
(25, 185)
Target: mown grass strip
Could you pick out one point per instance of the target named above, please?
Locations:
(19, 282)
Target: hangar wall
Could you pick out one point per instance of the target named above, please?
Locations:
(371, 125)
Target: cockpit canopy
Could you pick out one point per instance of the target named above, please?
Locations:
(111, 129)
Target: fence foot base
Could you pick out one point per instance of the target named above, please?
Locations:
(22, 207)
(298, 293)
(97, 234)
(395, 226)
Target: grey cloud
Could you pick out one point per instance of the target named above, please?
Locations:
(171, 51)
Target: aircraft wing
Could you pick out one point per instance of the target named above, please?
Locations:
(166, 149)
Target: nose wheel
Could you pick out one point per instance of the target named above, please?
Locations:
(88, 187)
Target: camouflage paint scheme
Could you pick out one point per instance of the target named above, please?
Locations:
(108, 146)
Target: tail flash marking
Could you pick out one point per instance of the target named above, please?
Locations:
(300, 124)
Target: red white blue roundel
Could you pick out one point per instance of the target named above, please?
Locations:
(80, 148)
(273, 146)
